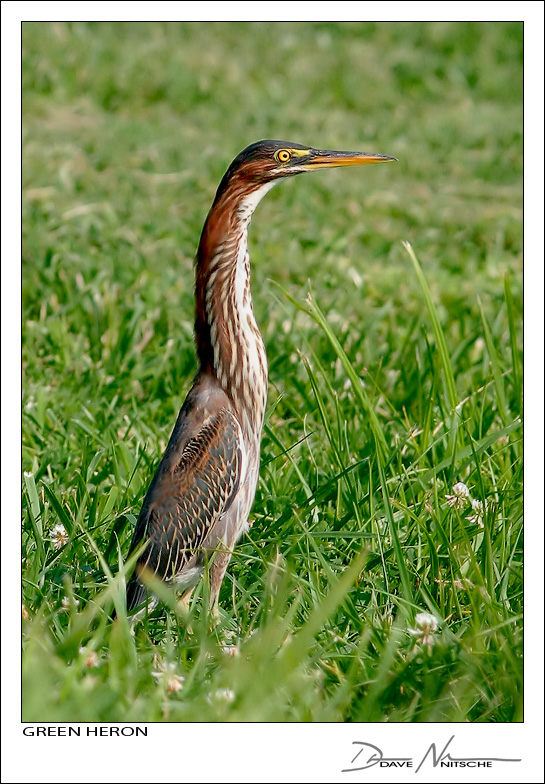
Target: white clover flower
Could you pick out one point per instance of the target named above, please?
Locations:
(479, 508)
(230, 650)
(460, 496)
(174, 682)
(426, 626)
(90, 657)
(225, 694)
(59, 536)
(66, 602)
(166, 673)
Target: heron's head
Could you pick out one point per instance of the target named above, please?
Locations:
(267, 161)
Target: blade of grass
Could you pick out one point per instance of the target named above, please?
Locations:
(318, 317)
(496, 369)
(513, 336)
(401, 564)
(35, 514)
(437, 329)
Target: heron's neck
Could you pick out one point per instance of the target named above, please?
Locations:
(229, 343)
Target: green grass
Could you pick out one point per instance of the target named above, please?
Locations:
(395, 372)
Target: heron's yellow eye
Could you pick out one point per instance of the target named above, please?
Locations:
(283, 156)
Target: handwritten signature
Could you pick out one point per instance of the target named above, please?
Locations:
(370, 755)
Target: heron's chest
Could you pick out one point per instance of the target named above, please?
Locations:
(240, 510)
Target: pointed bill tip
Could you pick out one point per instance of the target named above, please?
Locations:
(324, 159)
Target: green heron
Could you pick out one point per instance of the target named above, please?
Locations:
(199, 500)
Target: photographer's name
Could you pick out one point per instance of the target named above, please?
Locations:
(369, 755)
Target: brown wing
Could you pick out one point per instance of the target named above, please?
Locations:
(195, 484)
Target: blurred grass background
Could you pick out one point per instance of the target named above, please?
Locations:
(127, 130)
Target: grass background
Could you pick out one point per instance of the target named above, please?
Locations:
(397, 378)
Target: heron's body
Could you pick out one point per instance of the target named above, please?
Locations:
(200, 498)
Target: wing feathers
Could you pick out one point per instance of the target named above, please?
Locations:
(195, 484)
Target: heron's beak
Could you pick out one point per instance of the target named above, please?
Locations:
(326, 159)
